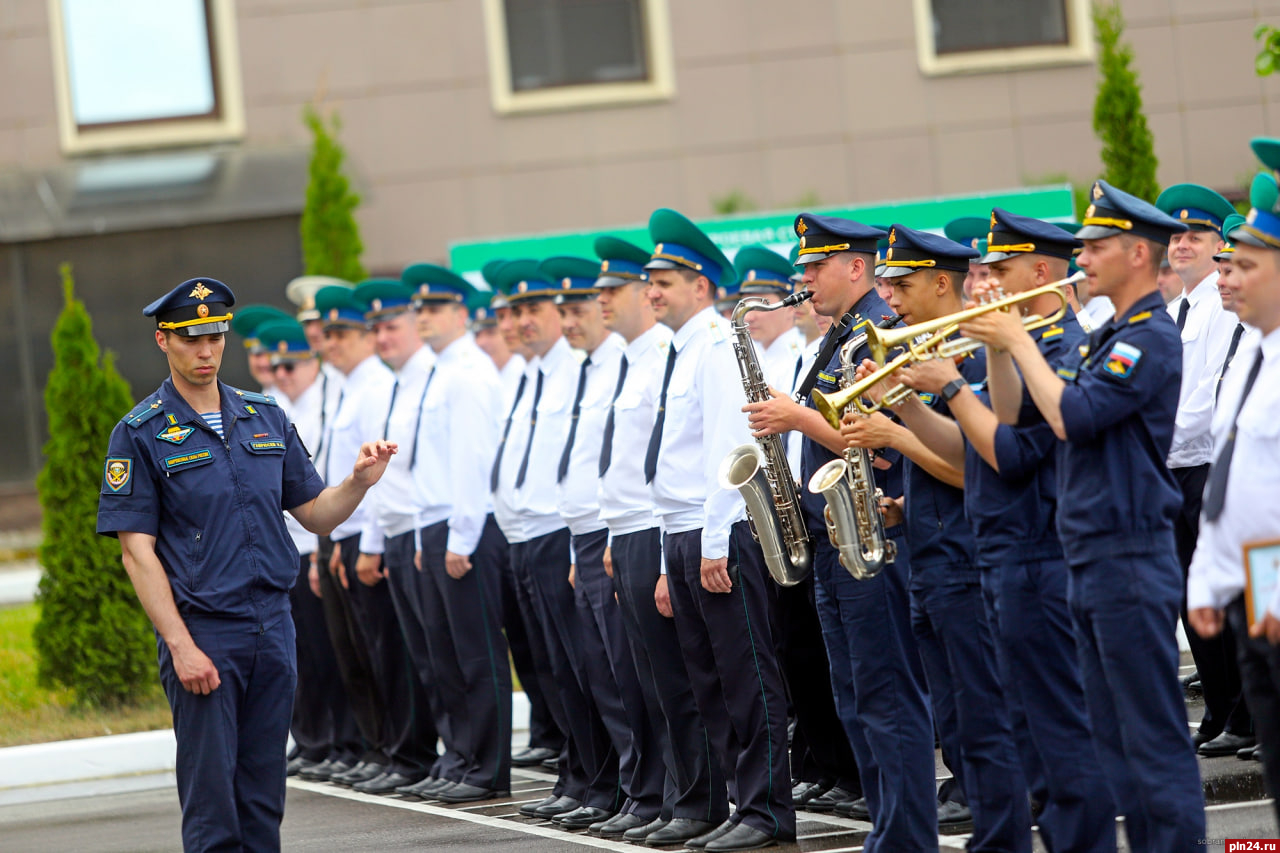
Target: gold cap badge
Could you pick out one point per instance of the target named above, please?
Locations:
(1097, 191)
(893, 236)
(202, 310)
(283, 346)
(199, 292)
(801, 227)
(333, 315)
(993, 220)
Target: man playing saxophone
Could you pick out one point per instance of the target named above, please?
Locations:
(948, 611)
(1024, 575)
(876, 673)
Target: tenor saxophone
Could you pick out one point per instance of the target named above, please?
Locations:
(759, 469)
(853, 518)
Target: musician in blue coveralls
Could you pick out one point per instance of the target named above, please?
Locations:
(1010, 499)
(876, 675)
(196, 482)
(1112, 403)
(948, 609)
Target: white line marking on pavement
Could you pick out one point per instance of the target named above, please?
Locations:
(1244, 805)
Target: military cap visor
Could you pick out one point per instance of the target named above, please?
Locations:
(386, 298)
(339, 308)
(679, 244)
(434, 283)
(1114, 212)
(522, 280)
(200, 306)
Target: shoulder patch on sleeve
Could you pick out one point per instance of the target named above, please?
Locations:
(1122, 361)
(143, 412)
(251, 397)
(117, 476)
(1138, 318)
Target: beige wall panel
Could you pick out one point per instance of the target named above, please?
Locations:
(889, 167)
(1217, 140)
(1199, 10)
(628, 192)
(486, 207)
(1053, 93)
(867, 109)
(1144, 12)
(1156, 64)
(715, 174)
(40, 146)
(550, 199)
(413, 43)
(640, 130)
(802, 25)
(539, 138)
(271, 124)
(470, 58)
(875, 25)
(821, 171)
(1171, 149)
(1231, 78)
(966, 100)
(480, 128)
(418, 136)
(10, 145)
(706, 32)
(332, 47)
(410, 222)
(974, 160)
(716, 105)
(1057, 148)
(31, 101)
(24, 18)
(791, 104)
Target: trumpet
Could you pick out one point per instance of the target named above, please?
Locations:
(881, 341)
(920, 348)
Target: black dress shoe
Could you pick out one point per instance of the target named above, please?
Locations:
(678, 831)
(532, 756)
(1191, 684)
(856, 810)
(803, 792)
(418, 790)
(362, 772)
(559, 805)
(828, 801)
(1200, 737)
(530, 809)
(707, 837)
(1226, 744)
(387, 783)
(460, 792)
(322, 771)
(581, 818)
(742, 837)
(552, 763)
(637, 834)
(952, 813)
(297, 764)
(615, 826)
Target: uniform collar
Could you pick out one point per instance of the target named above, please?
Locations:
(555, 356)
(173, 403)
(1151, 302)
(419, 362)
(870, 307)
(455, 349)
(612, 345)
(700, 322)
(364, 368)
(788, 340)
(653, 336)
(1270, 346)
(1208, 285)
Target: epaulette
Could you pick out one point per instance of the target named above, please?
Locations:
(1052, 332)
(1138, 318)
(252, 397)
(143, 412)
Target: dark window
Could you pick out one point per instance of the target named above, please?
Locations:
(575, 42)
(131, 61)
(960, 26)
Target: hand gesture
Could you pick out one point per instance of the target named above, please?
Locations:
(372, 461)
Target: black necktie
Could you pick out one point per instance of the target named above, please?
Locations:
(655, 437)
(573, 420)
(506, 430)
(386, 427)
(606, 448)
(417, 426)
(1215, 492)
(1231, 353)
(533, 425)
(1182, 313)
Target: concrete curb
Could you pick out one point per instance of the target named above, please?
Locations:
(18, 582)
(116, 763)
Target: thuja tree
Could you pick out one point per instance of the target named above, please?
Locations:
(1128, 150)
(330, 236)
(93, 635)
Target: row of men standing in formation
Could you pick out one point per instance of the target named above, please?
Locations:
(655, 644)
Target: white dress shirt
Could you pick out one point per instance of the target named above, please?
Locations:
(396, 410)
(794, 443)
(1206, 335)
(704, 422)
(1251, 512)
(579, 491)
(626, 501)
(455, 444)
(1250, 335)
(530, 511)
(779, 359)
(305, 414)
(1098, 311)
(510, 377)
(350, 424)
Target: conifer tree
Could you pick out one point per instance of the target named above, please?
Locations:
(93, 635)
(330, 236)
(1128, 150)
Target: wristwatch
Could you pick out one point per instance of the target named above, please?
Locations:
(952, 388)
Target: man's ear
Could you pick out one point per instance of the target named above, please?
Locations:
(942, 284)
(162, 342)
(857, 267)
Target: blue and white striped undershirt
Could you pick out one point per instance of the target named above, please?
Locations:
(214, 420)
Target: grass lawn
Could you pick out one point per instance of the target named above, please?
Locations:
(31, 714)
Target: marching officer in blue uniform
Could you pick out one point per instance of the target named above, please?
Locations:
(1024, 574)
(196, 482)
(948, 609)
(1112, 403)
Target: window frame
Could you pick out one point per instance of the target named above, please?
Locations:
(225, 126)
(1078, 50)
(659, 55)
